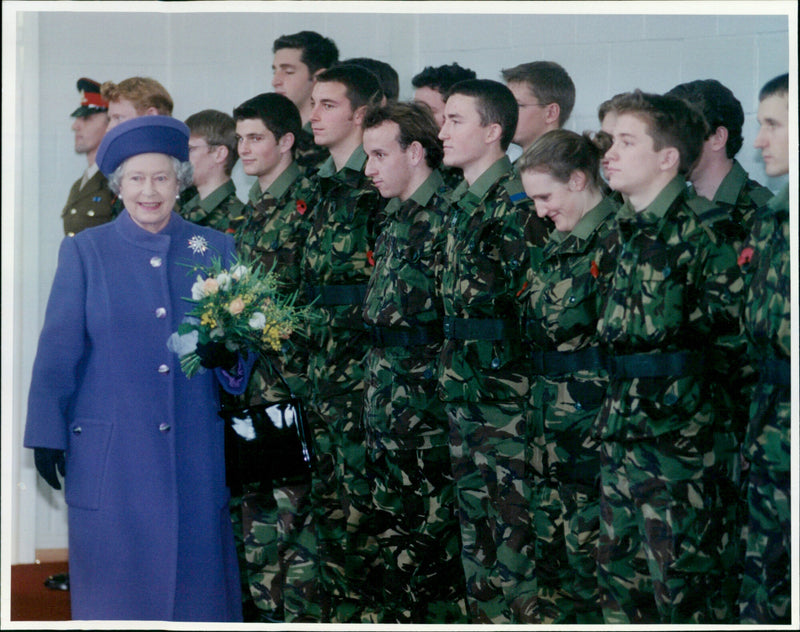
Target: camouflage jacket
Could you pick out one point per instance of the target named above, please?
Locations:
(764, 260)
(493, 236)
(676, 295)
(337, 263)
(307, 154)
(402, 410)
(220, 209)
(560, 310)
(737, 199)
(274, 232)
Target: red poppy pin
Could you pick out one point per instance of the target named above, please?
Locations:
(523, 288)
(595, 271)
(370, 257)
(745, 256)
(302, 207)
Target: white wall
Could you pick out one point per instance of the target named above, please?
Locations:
(221, 58)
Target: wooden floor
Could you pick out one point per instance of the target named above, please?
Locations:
(31, 600)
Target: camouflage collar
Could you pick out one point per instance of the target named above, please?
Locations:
(731, 185)
(213, 199)
(659, 206)
(780, 203)
(585, 228)
(352, 168)
(484, 183)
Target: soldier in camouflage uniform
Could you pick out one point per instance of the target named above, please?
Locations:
(273, 231)
(718, 176)
(431, 85)
(669, 324)
(298, 58)
(561, 306)
(492, 236)
(212, 152)
(766, 588)
(336, 266)
(412, 486)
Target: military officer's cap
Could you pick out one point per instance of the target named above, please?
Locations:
(91, 99)
(143, 135)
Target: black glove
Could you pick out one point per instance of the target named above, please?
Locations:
(47, 461)
(215, 354)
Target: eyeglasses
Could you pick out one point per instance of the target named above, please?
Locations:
(530, 105)
(207, 146)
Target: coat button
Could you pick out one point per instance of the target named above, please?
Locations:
(163, 368)
(73, 211)
(77, 430)
(70, 234)
(164, 427)
(161, 312)
(495, 363)
(155, 262)
(90, 213)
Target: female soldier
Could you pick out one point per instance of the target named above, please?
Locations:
(561, 174)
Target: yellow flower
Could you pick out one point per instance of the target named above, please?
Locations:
(208, 319)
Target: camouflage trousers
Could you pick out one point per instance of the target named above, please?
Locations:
(765, 596)
(249, 610)
(667, 538)
(418, 536)
(489, 450)
(332, 583)
(271, 521)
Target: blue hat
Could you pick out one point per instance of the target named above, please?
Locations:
(143, 135)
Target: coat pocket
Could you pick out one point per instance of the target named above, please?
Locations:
(87, 457)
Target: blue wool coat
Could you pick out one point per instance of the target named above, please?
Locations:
(150, 535)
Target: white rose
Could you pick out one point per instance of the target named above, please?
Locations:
(238, 272)
(198, 291)
(224, 280)
(257, 321)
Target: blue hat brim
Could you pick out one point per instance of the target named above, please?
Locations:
(143, 135)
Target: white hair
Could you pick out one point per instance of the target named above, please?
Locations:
(183, 172)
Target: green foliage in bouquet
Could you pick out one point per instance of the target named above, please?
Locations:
(241, 307)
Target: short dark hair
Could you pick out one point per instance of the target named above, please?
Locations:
(559, 152)
(217, 128)
(387, 76)
(777, 85)
(495, 104)
(361, 84)
(416, 123)
(671, 122)
(548, 82)
(441, 78)
(278, 113)
(609, 105)
(719, 106)
(317, 51)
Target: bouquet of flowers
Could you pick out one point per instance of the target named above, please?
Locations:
(239, 307)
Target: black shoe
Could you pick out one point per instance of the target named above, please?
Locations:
(58, 582)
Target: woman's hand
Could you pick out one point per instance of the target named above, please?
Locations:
(47, 461)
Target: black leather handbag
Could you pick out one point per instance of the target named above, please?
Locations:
(270, 444)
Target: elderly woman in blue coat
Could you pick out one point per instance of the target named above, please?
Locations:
(139, 444)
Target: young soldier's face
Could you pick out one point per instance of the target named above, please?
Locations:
(462, 133)
(553, 199)
(121, 111)
(333, 120)
(531, 122)
(632, 163)
(258, 150)
(291, 77)
(433, 99)
(607, 125)
(773, 135)
(89, 131)
(387, 164)
(201, 155)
